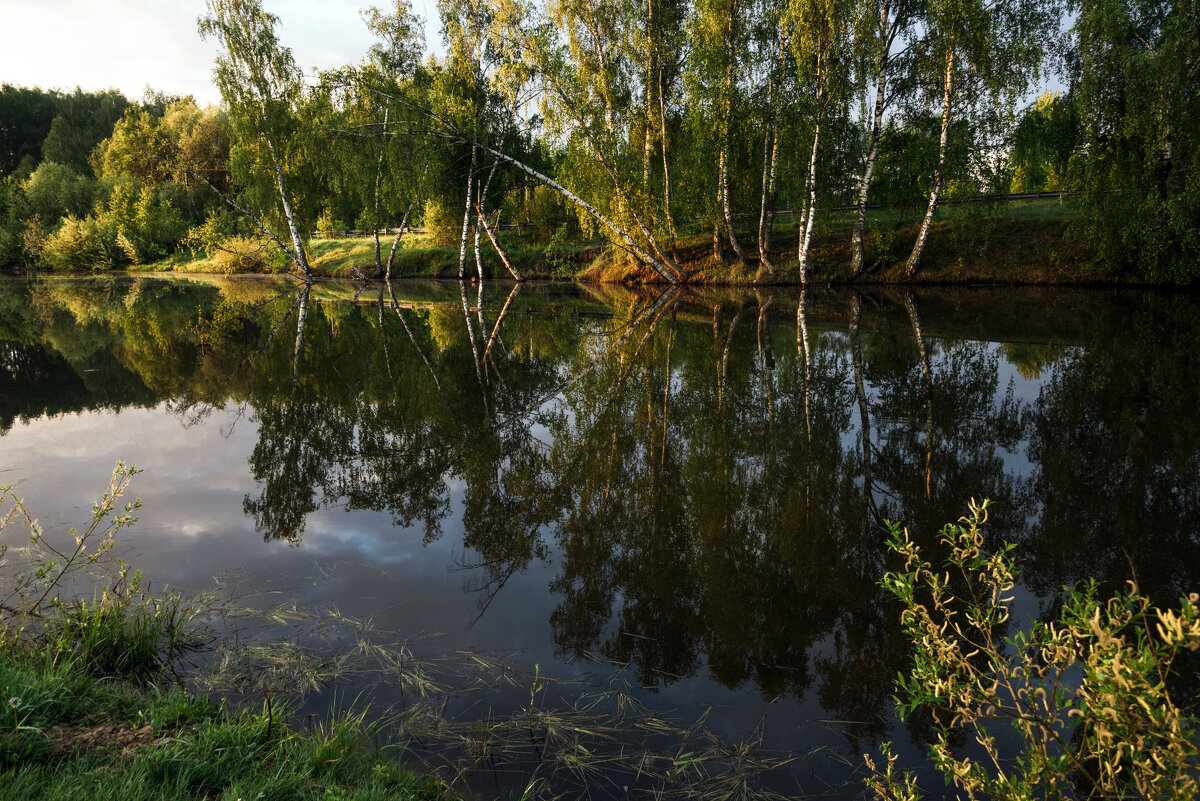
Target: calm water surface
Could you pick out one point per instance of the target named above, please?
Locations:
(666, 508)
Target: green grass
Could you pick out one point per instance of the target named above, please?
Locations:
(1007, 242)
(73, 729)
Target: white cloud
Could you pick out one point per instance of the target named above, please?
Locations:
(129, 44)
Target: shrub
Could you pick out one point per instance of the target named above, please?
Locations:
(124, 631)
(443, 223)
(77, 245)
(55, 190)
(1088, 695)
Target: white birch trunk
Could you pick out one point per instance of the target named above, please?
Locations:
(466, 225)
(664, 142)
(860, 215)
(481, 201)
(298, 255)
(378, 176)
(396, 241)
(806, 234)
(495, 244)
(914, 260)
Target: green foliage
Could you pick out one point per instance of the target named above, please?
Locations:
(76, 246)
(47, 562)
(55, 191)
(1043, 143)
(1088, 695)
(80, 121)
(557, 255)
(1139, 160)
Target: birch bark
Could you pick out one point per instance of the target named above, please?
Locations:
(462, 248)
(914, 260)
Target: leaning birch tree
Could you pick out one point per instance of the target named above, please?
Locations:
(981, 54)
(262, 87)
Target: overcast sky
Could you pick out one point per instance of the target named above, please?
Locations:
(127, 44)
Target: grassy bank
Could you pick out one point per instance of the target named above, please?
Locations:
(1026, 242)
(95, 707)
(1022, 242)
(417, 257)
(79, 733)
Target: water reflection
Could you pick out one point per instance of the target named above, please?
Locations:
(704, 475)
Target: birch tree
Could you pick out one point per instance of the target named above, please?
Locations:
(262, 86)
(976, 52)
(581, 61)
(391, 72)
(880, 28)
(774, 46)
(820, 39)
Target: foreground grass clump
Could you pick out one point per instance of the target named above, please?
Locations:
(1088, 695)
(91, 708)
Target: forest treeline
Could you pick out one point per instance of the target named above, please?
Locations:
(674, 131)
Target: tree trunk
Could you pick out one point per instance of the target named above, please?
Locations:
(718, 250)
(466, 225)
(914, 260)
(662, 123)
(810, 215)
(667, 270)
(378, 176)
(299, 256)
(766, 217)
(726, 125)
(805, 353)
(860, 215)
(482, 220)
(396, 242)
(764, 243)
(481, 202)
(478, 253)
(648, 116)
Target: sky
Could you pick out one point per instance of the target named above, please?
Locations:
(129, 44)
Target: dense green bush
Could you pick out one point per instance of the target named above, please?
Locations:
(78, 245)
(55, 191)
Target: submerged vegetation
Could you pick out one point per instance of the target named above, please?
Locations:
(705, 141)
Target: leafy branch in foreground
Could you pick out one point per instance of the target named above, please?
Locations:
(50, 564)
(124, 630)
(1089, 694)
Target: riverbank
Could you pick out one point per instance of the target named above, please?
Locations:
(1017, 243)
(73, 732)
(96, 700)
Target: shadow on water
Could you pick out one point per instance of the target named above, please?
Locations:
(696, 478)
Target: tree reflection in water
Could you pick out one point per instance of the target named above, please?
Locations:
(710, 496)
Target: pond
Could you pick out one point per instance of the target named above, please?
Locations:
(632, 540)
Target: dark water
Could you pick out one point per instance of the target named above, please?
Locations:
(677, 496)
